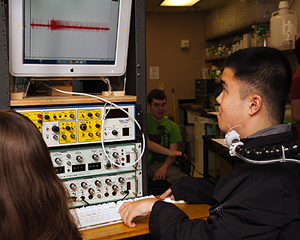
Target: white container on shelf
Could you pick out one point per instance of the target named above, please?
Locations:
(279, 25)
(247, 40)
(259, 11)
(231, 16)
(222, 17)
(240, 13)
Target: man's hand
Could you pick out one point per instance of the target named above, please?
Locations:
(131, 210)
(175, 153)
(166, 194)
(161, 173)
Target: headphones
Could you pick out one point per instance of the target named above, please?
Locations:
(266, 155)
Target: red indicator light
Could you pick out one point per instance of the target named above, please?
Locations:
(128, 158)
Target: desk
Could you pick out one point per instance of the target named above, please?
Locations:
(216, 147)
(120, 231)
(197, 109)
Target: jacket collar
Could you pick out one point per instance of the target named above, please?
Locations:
(281, 128)
(272, 136)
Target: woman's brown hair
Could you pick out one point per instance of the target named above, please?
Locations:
(34, 202)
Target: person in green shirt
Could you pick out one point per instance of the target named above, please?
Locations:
(163, 137)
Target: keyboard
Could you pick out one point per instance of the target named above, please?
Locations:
(103, 214)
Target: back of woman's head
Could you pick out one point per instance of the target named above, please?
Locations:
(34, 202)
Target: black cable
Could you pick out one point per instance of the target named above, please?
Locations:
(198, 171)
(127, 193)
(83, 199)
(292, 4)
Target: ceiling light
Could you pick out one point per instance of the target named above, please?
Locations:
(178, 3)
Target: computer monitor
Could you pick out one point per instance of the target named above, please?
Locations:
(68, 38)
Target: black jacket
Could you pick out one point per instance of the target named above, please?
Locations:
(250, 202)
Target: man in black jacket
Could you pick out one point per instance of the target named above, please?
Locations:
(252, 201)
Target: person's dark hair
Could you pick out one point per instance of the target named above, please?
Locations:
(34, 202)
(156, 94)
(297, 49)
(264, 71)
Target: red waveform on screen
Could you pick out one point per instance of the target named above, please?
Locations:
(59, 25)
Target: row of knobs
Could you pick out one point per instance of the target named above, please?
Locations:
(94, 157)
(68, 128)
(92, 191)
(83, 127)
(47, 117)
(99, 184)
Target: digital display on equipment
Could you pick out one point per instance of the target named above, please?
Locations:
(70, 32)
(117, 113)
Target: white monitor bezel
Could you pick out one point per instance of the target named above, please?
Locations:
(19, 69)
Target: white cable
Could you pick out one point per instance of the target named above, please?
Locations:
(281, 160)
(230, 129)
(124, 84)
(102, 122)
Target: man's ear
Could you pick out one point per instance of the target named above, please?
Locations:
(148, 105)
(255, 104)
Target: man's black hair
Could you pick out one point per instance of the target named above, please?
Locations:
(156, 94)
(264, 71)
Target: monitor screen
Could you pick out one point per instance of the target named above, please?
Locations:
(68, 38)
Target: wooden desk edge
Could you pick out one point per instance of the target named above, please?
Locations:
(65, 100)
(199, 211)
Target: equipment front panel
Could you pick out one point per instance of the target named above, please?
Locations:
(64, 126)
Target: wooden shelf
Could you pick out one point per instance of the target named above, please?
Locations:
(289, 52)
(222, 58)
(236, 32)
(215, 59)
(65, 100)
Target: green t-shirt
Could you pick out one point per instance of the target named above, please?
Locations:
(163, 133)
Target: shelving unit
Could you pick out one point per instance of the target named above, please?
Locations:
(234, 33)
(237, 17)
(216, 59)
(220, 59)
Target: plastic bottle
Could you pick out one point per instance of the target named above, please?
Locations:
(277, 24)
(289, 41)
